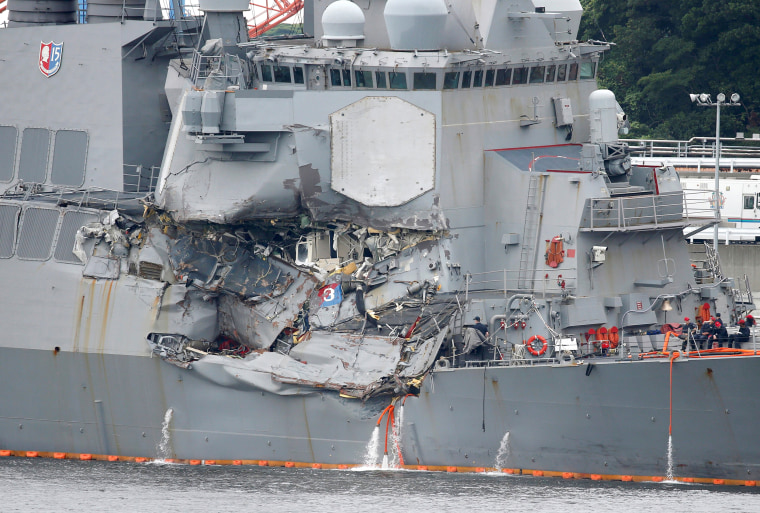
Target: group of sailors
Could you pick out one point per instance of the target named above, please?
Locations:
(713, 333)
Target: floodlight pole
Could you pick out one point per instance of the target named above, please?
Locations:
(717, 174)
(704, 100)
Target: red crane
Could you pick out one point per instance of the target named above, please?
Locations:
(268, 14)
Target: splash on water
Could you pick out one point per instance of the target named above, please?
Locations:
(164, 445)
(502, 456)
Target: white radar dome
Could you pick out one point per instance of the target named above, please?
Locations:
(343, 23)
(415, 24)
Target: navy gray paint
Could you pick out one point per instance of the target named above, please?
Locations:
(163, 194)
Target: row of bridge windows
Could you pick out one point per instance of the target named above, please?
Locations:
(432, 80)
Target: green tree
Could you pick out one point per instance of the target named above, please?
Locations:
(665, 50)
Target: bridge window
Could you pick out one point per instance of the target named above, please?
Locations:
(550, 71)
(466, 79)
(490, 73)
(477, 78)
(363, 78)
(335, 80)
(520, 76)
(397, 80)
(561, 72)
(424, 80)
(573, 71)
(537, 74)
(588, 69)
(451, 80)
(298, 74)
(503, 76)
(282, 74)
(380, 79)
(266, 73)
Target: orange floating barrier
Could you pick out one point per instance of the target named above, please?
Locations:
(719, 481)
(316, 465)
(32, 454)
(5, 452)
(195, 462)
(538, 473)
(688, 479)
(85, 457)
(567, 475)
(237, 462)
(342, 466)
(627, 478)
(290, 464)
(508, 471)
(596, 477)
(209, 462)
(141, 459)
(422, 467)
(59, 455)
(480, 469)
(657, 479)
(170, 460)
(113, 457)
(451, 469)
(263, 463)
(750, 483)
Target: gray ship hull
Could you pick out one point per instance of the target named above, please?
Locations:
(116, 405)
(613, 420)
(249, 250)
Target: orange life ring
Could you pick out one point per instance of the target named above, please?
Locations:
(531, 349)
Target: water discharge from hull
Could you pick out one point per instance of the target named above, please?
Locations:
(394, 442)
(370, 455)
(502, 456)
(163, 449)
(669, 472)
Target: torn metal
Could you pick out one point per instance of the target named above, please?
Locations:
(317, 307)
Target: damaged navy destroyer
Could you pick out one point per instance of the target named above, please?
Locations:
(222, 248)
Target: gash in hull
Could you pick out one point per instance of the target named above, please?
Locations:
(240, 250)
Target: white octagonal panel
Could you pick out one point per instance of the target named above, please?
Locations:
(383, 151)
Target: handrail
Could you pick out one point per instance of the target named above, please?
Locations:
(694, 148)
(687, 206)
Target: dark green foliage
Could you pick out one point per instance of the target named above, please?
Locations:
(285, 29)
(665, 50)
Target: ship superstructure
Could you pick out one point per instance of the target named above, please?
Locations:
(261, 246)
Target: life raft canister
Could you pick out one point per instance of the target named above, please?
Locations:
(704, 312)
(614, 337)
(601, 338)
(532, 350)
(554, 252)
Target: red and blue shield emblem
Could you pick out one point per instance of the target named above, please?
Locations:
(50, 58)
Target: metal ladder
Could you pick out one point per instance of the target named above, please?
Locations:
(530, 234)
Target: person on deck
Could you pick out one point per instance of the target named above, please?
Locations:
(737, 339)
(705, 334)
(721, 333)
(481, 327)
(687, 334)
